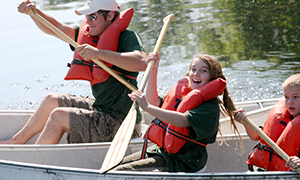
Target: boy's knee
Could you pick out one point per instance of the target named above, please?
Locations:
(59, 117)
(51, 97)
(59, 113)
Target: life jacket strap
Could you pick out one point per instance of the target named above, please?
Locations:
(182, 136)
(124, 75)
(145, 144)
(93, 65)
(169, 130)
(80, 62)
(263, 147)
(268, 149)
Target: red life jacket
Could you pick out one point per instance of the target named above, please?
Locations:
(109, 40)
(171, 137)
(284, 132)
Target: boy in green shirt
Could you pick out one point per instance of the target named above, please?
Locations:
(85, 119)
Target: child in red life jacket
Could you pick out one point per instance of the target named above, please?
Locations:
(190, 107)
(282, 126)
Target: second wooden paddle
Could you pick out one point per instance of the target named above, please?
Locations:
(118, 147)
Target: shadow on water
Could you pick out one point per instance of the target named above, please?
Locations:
(256, 41)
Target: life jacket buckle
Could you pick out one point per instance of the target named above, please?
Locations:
(78, 61)
(157, 121)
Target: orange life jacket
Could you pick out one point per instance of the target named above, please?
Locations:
(109, 40)
(284, 132)
(171, 137)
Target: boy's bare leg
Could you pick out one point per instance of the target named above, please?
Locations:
(56, 126)
(36, 122)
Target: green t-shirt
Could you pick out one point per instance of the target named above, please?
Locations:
(111, 96)
(204, 121)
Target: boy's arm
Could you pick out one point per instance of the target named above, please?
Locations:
(239, 116)
(26, 6)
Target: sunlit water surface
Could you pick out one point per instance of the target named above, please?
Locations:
(256, 64)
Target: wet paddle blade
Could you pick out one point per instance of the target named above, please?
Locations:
(118, 147)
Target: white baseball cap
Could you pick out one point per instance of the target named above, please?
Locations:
(92, 6)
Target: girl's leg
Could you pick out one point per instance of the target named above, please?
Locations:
(134, 163)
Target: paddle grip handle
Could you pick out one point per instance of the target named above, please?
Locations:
(167, 20)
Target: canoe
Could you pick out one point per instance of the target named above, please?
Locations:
(83, 161)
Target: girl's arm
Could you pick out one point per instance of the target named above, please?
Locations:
(151, 89)
(172, 117)
(150, 101)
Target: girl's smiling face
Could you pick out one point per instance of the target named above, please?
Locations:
(292, 100)
(199, 73)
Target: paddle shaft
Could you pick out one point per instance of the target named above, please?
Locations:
(73, 43)
(119, 145)
(267, 139)
(157, 47)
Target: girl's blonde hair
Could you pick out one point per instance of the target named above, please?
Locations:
(227, 106)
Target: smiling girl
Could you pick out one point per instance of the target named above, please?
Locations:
(190, 110)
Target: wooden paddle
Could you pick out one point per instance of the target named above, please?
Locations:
(267, 139)
(73, 43)
(122, 138)
(118, 147)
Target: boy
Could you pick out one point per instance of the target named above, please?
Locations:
(95, 119)
(291, 89)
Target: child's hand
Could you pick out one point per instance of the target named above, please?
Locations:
(153, 57)
(25, 5)
(293, 162)
(140, 98)
(240, 115)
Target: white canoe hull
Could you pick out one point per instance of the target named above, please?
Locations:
(78, 161)
(16, 171)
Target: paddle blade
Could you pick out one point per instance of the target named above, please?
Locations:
(118, 147)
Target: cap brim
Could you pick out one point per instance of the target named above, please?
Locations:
(85, 10)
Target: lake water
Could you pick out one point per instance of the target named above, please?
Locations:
(256, 42)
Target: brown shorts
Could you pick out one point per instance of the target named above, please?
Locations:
(89, 125)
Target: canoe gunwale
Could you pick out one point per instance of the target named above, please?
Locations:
(268, 108)
(55, 169)
(133, 142)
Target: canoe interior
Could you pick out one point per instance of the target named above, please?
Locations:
(222, 158)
